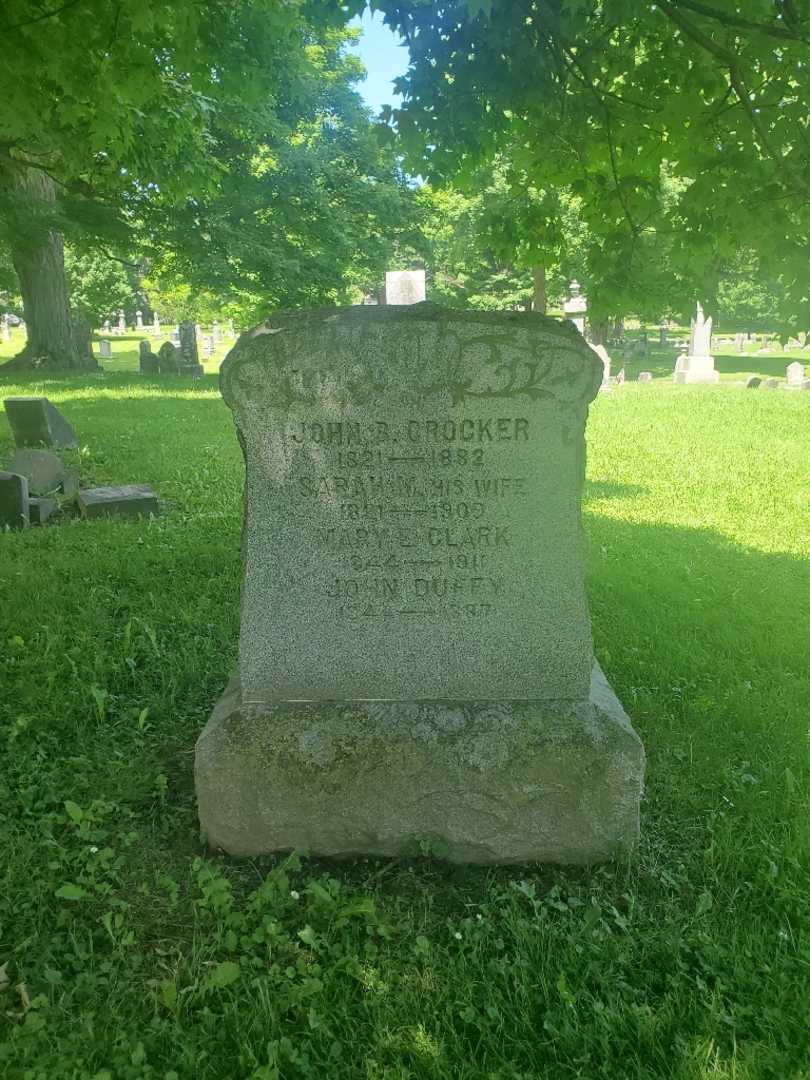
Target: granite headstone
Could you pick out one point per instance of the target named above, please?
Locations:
(35, 422)
(415, 654)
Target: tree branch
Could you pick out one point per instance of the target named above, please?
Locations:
(732, 62)
(726, 19)
(40, 18)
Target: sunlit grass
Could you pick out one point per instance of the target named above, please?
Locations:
(126, 951)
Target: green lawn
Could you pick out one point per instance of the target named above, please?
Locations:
(126, 951)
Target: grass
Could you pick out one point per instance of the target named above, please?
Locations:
(127, 951)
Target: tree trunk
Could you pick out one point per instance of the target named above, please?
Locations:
(38, 256)
(539, 298)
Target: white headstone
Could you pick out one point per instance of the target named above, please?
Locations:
(139, 320)
(576, 306)
(697, 366)
(738, 342)
(122, 322)
(645, 376)
(155, 324)
(795, 373)
(208, 346)
(404, 286)
(104, 349)
(107, 326)
(604, 356)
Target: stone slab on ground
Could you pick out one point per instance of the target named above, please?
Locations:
(43, 470)
(35, 422)
(129, 500)
(40, 509)
(493, 782)
(14, 501)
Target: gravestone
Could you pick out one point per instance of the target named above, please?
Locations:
(189, 360)
(795, 374)
(122, 323)
(697, 366)
(645, 376)
(216, 332)
(208, 346)
(662, 335)
(604, 356)
(156, 325)
(127, 500)
(753, 382)
(107, 327)
(14, 501)
(43, 470)
(105, 349)
(576, 306)
(415, 655)
(148, 362)
(40, 508)
(139, 320)
(404, 286)
(35, 422)
(770, 384)
(739, 342)
(168, 359)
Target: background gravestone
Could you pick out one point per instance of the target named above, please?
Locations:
(415, 654)
(148, 362)
(105, 349)
(404, 286)
(14, 501)
(43, 470)
(189, 360)
(168, 359)
(35, 422)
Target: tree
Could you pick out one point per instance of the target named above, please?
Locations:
(613, 100)
(109, 108)
(501, 243)
(308, 210)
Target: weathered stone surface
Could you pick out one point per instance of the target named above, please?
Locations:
(35, 422)
(495, 782)
(105, 349)
(40, 509)
(795, 374)
(128, 500)
(753, 382)
(14, 501)
(43, 470)
(404, 286)
(770, 384)
(415, 651)
(413, 504)
(645, 376)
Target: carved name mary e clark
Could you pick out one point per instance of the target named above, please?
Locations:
(412, 522)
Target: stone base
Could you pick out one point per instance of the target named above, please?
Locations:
(696, 369)
(482, 782)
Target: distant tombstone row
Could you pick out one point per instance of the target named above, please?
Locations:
(37, 476)
(171, 359)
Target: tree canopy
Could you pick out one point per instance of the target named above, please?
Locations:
(613, 100)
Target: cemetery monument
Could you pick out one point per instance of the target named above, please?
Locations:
(415, 656)
(697, 366)
(576, 307)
